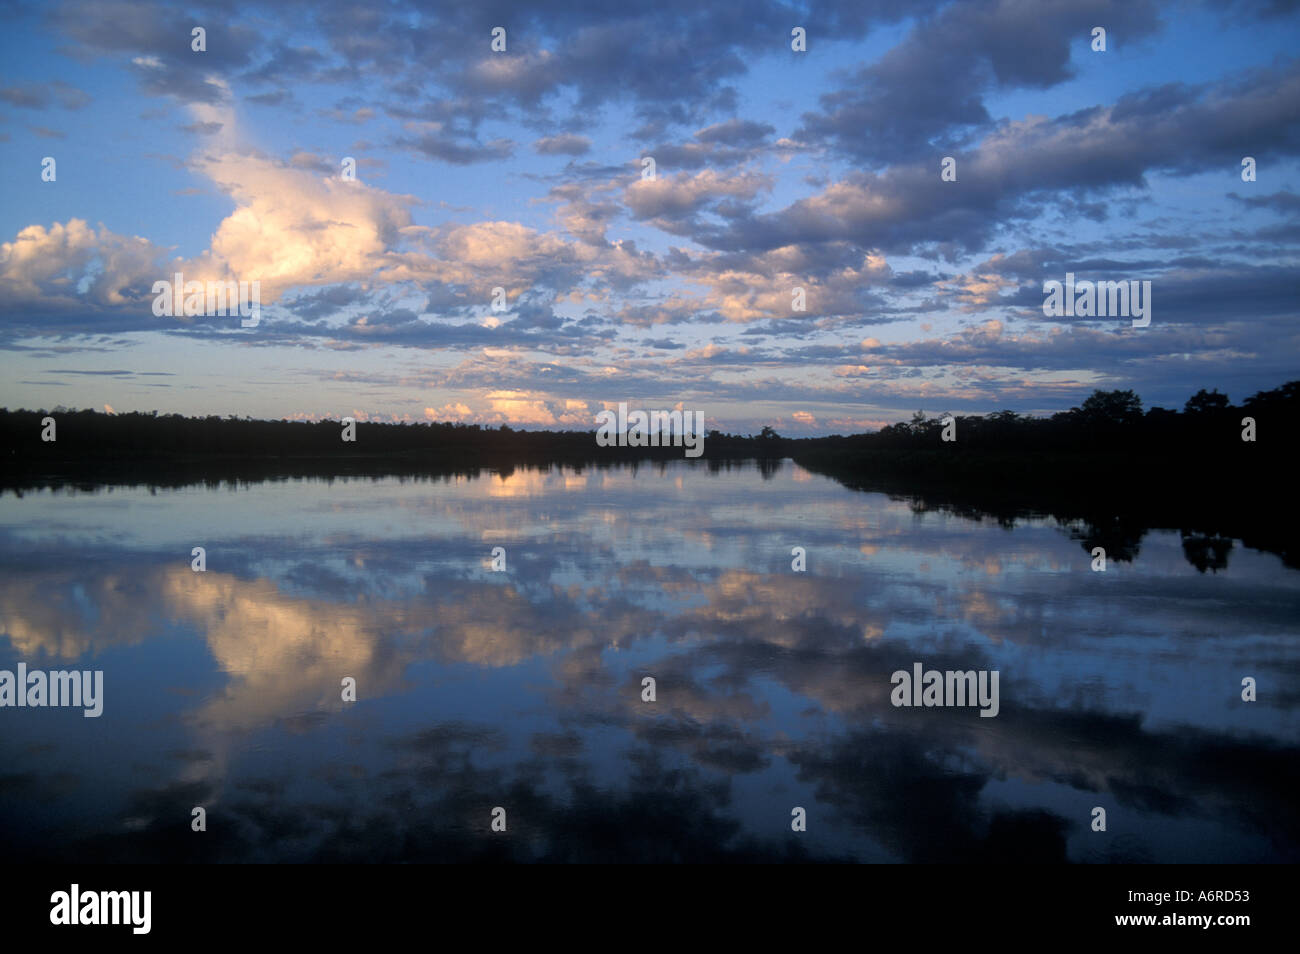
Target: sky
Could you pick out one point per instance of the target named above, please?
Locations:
(524, 169)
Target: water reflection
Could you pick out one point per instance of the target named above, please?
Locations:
(523, 689)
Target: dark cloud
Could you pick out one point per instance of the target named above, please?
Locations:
(562, 145)
(156, 41)
(1019, 168)
(454, 149)
(926, 94)
(1283, 203)
(736, 132)
(44, 95)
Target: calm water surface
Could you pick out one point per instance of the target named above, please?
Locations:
(522, 689)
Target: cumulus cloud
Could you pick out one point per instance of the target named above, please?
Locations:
(293, 227)
(72, 263)
(672, 202)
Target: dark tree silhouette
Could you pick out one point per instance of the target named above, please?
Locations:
(1112, 407)
(1206, 401)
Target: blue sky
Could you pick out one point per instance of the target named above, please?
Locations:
(522, 169)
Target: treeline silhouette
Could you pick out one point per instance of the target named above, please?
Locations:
(1107, 468)
(94, 436)
(1108, 421)
(91, 448)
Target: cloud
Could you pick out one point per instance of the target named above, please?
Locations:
(925, 94)
(70, 263)
(292, 228)
(44, 95)
(736, 132)
(1020, 165)
(565, 145)
(533, 408)
(450, 412)
(434, 142)
(673, 203)
(157, 40)
(833, 279)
